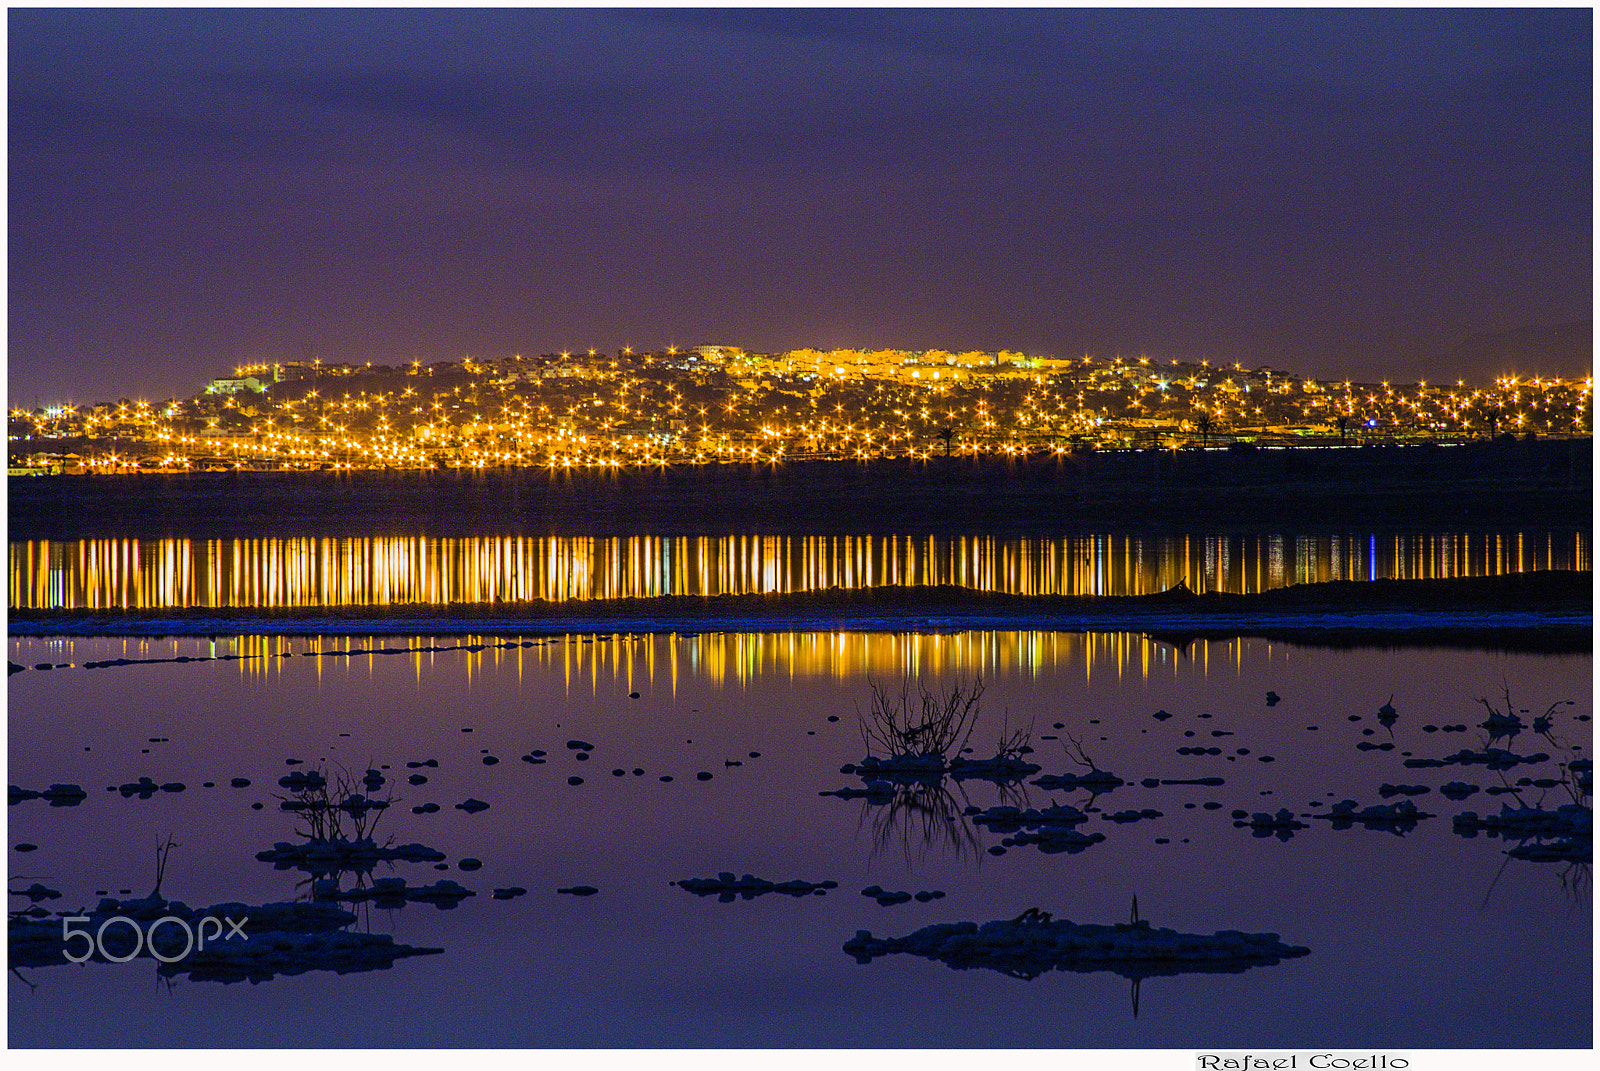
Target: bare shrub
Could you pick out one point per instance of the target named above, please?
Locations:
(927, 724)
(1013, 743)
(334, 810)
(1073, 746)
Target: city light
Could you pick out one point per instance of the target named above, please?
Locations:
(555, 410)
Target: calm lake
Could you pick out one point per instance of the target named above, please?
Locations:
(1420, 937)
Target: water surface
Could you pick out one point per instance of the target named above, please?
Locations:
(1409, 935)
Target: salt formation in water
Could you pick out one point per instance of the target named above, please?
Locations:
(872, 791)
(1397, 818)
(353, 804)
(361, 853)
(394, 892)
(1493, 757)
(1566, 833)
(1282, 824)
(899, 767)
(725, 887)
(1132, 815)
(1565, 849)
(1001, 768)
(1007, 819)
(1499, 724)
(1052, 828)
(887, 898)
(1033, 943)
(303, 781)
(58, 795)
(1094, 781)
(1583, 774)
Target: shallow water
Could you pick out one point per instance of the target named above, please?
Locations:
(311, 572)
(1410, 935)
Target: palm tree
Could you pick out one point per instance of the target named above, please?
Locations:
(1492, 416)
(1202, 424)
(948, 434)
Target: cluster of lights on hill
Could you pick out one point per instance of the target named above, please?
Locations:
(719, 404)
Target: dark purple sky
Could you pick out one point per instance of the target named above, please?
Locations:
(1340, 193)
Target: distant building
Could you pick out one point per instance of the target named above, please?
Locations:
(236, 386)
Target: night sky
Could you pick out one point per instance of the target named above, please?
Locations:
(1338, 193)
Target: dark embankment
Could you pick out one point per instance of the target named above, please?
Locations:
(1541, 611)
(1473, 487)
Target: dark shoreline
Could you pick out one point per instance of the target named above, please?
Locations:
(1473, 487)
(1547, 611)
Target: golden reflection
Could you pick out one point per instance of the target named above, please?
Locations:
(299, 573)
(667, 661)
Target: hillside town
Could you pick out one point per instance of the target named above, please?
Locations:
(723, 403)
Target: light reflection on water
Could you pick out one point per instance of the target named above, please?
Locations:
(661, 661)
(290, 573)
(1433, 915)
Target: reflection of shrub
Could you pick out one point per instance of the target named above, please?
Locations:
(931, 724)
(925, 817)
